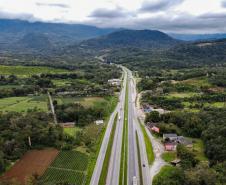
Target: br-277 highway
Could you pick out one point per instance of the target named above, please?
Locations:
(133, 166)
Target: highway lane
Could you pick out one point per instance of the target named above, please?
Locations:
(143, 154)
(133, 168)
(114, 165)
(99, 163)
(133, 126)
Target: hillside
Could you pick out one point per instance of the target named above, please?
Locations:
(131, 38)
(35, 41)
(58, 33)
(196, 37)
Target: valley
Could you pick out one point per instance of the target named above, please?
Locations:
(110, 107)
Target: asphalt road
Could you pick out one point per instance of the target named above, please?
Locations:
(133, 168)
(133, 126)
(114, 165)
(143, 154)
(114, 168)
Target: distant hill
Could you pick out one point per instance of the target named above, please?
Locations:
(58, 33)
(131, 38)
(35, 41)
(196, 37)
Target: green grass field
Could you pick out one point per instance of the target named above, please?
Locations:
(181, 95)
(198, 149)
(169, 156)
(71, 131)
(198, 82)
(86, 102)
(148, 144)
(139, 160)
(22, 104)
(25, 71)
(69, 166)
(166, 172)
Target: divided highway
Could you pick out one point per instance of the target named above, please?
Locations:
(113, 174)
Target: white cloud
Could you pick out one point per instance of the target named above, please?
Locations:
(166, 15)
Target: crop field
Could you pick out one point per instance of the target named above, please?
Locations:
(22, 104)
(35, 161)
(68, 82)
(69, 166)
(71, 131)
(198, 82)
(86, 102)
(25, 71)
(181, 95)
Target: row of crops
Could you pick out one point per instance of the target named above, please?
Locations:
(69, 166)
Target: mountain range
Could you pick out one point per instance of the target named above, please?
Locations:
(131, 38)
(24, 36)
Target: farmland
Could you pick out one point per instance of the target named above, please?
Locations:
(26, 71)
(85, 101)
(22, 104)
(35, 161)
(69, 166)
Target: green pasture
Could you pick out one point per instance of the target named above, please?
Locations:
(22, 104)
(25, 71)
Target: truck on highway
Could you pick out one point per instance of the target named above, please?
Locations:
(134, 180)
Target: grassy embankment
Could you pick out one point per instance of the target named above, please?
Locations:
(124, 150)
(148, 144)
(104, 171)
(139, 160)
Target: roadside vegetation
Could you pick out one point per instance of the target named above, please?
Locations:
(148, 144)
(139, 160)
(190, 96)
(81, 95)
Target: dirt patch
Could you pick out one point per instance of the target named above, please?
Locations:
(33, 162)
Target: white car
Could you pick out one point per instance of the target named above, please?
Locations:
(119, 118)
(134, 180)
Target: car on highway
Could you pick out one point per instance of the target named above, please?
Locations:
(134, 180)
(119, 118)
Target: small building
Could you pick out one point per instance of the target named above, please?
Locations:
(147, 108)
(175, 162)
(182, 140)
(169, 137)
(67, 125)
(155, 129)
(170, 146)
(115, 82)
(99, 122)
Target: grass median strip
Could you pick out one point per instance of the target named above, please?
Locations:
(139, 160)
(124, 151)
(104, 171)
(148, 144)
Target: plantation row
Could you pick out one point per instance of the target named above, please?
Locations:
(69, 166)
(53, 175)
(71, 160)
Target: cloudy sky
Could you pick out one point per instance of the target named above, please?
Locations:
(178, 16)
